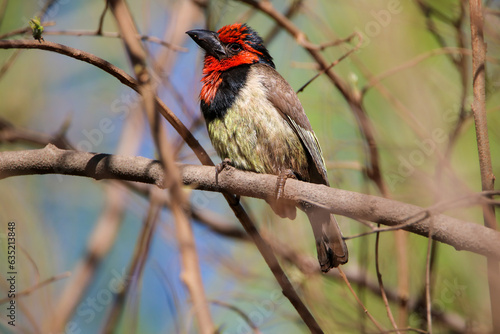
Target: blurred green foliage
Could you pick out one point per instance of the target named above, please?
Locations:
(413, 111)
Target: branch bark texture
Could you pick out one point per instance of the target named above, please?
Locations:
(483, 146)
(460, 234)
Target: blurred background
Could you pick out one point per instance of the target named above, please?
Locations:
(76, 237)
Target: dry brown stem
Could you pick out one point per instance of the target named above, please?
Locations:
(191, 272)
(483, 146)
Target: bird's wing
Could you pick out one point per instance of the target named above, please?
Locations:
(284, 98)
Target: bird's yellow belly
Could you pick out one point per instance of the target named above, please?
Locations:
(256, 137)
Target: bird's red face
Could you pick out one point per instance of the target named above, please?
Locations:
(231, 46)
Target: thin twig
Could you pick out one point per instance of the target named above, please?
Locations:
(9, 62)
(381, 284)
(147, 38)
(462, 66)
(344, 56)
(240, 312)
(25, 30)
(3, 8)
(403, 269)
(187, 14)
(289, 13)
(375, 322)
(210, 220)
(38, 285)
(101, 18)
(43, 11)
(92, 33)
(136, 266)
(325, 45)
(459, 62)
(428, 279)
(427, 11)
(412, 62)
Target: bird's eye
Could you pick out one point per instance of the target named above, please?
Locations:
(235, 47)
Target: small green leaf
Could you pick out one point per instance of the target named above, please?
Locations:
(37, 29)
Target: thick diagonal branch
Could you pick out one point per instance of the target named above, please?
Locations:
(191, 272)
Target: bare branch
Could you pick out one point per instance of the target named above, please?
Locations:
(344, 56)
(289, 13)
(38, 285)
(375, 322)
(3, 7)
(483, 146)
(242, 314)
(191, 272)
(428, 268)
(381, 284)
(101, 18)
(24, 30)
(412, 62)
(51, 160)
(146, 38)
(136, 267)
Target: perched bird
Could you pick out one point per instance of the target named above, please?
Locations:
(255, 119)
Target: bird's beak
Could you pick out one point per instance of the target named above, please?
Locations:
(209, 41)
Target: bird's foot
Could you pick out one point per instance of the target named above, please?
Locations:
(220, 167)
(280, 183)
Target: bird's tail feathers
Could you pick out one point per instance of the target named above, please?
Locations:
(331, 247)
